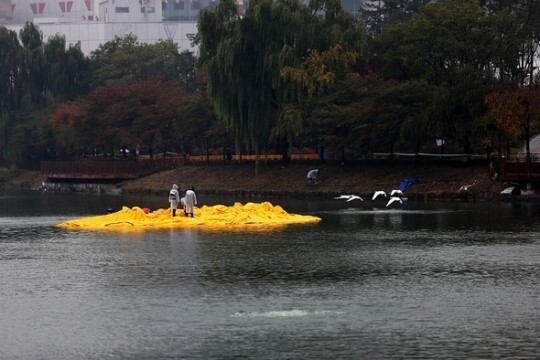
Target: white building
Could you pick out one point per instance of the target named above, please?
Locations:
(88, 24)
(90, 35)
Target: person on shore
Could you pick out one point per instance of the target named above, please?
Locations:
(312, 176)
(190, 200)
(174, 199)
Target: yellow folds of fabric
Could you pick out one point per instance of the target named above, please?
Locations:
(237, 216)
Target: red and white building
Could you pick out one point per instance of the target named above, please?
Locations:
(89, 23)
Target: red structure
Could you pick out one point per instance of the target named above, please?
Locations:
(521, 170)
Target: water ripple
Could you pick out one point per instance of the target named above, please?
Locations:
(438, 281)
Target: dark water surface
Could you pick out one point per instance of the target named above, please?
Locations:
(426, 281)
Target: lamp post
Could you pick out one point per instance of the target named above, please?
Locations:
(440, 144)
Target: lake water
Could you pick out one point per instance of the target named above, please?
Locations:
(429, 280)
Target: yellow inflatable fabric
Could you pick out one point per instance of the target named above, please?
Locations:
(236, 216)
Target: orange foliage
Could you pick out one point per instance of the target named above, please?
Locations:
(66, 114)
(125, 114)
(514, 110)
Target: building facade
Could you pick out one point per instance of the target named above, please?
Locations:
(90, 23)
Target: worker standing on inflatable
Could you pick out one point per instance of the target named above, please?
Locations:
(190, 200)
(174, 199)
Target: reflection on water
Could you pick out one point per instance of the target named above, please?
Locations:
(427, 280)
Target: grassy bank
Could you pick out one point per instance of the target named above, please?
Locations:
(436, 181)
(17, 178)
(446, 181)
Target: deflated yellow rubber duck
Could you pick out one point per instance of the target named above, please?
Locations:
(236, 216)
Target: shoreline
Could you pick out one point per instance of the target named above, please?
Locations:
(452, 182)
(436, 182)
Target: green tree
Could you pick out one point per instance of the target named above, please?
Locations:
(386, 116)
(35, 74)
(527, 19)
(242, 57)
(65, 70)
(32, 66)
(308, 82)
(9, 74)
(126, 60)
(30, 139)
(455, 113)
(462, 51)
(380, 14)
(196, 125)
(450, 40)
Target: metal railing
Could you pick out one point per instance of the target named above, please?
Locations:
(520, 170)
(126, 169)
(240, 158)
(106, 169)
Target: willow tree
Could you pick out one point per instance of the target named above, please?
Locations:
(65, 70)
(32, 67)
(242, 56)
(9, 54)
(315, 76)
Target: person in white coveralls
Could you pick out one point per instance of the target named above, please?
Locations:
(190, 200)
(174, 199)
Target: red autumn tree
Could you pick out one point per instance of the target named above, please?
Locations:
(131, 114)
(65, 121)
(516, 112)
